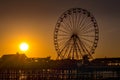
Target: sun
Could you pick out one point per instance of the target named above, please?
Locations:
(24, 46)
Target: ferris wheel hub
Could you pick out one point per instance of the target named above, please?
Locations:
(74, 36)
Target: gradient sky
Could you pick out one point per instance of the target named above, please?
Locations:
(33, 21)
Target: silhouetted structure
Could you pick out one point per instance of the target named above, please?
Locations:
(76, 34)
(19, 67)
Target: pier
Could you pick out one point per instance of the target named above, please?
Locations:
(19, 67)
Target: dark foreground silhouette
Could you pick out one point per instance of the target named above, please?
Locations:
(19, 67)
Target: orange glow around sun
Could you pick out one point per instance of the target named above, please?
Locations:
(24, 46)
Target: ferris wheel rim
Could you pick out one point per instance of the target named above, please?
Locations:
(57, 28)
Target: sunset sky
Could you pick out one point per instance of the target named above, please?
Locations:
(33, 22)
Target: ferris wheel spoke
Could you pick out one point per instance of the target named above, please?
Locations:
(87, 21)
(63, 35)
(67, 42)
(69, 53)
(88, 45)
(77, 45)
(80, 19)
(87, 30)
(86, 49)
(87, 35)
(91, 30)
(76, 20)
(82, 49)
(63, 27)
(76, 51)
(68, 25)
(70, 21)
(62, 42)
(79, 27)
(62, 31)
(62, 50)
(72, 53)
(87, 40)
(62, 38)
(81, 22)
(86, 27)
(67, 48)
(72, 17)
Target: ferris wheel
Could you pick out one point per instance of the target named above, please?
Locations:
(76, 34)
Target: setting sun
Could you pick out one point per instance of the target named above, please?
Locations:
(24, 46)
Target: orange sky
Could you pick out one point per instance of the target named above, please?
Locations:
(34, 22)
